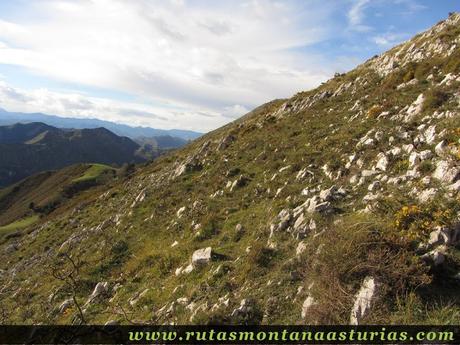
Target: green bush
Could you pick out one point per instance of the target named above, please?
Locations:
(434, 99)
(261, 255)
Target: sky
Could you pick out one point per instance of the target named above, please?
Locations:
(189, 64)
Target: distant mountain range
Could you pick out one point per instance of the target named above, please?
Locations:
(9, 118)
(26, 149)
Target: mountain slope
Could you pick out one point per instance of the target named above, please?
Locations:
(288, 215)
(41, 194)
(30, 148)
(9, 118)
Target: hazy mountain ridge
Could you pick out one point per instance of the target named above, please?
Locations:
(289, 215)
(9, 118)
(30, 148)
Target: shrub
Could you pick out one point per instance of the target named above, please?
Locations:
(261, 255)
(426, 167)
(374, 111)
(363, 245)
(434, 99)
(208, 229)
(401, 166)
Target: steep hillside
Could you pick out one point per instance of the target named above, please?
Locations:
(339, 205)
(39, 195)
(30, 148)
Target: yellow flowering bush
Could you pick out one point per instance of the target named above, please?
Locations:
(414, 222)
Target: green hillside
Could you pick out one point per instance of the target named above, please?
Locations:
(287, 216)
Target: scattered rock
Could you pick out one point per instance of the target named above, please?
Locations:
(112, 323)
(226, 142)
(202, 257)
(136, 298)
(427, 195)
(442, 148)
(301, 247)
(306, 306)
(100, 289)
(65, 305)
(415, 108)
(446, 173)
(363, 300)
(382, 162)
(437, 256)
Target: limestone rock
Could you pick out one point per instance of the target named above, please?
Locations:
(65, 305)
(442, 148)
(446, 173)
(364, 300)
(100, 289)
(382, 162)
(306, 306)
(415, 108)
(202, 257)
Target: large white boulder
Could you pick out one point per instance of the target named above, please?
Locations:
(446, 173)
(363, 300)
(202, 257)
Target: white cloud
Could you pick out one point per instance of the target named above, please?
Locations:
(389, 39)
(356, 15)
(209, 57)
(235, 111)
(83, 106)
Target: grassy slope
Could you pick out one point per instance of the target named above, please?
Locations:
(47, 190)
(129, 242)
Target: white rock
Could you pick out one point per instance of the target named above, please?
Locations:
(182, 301)
(363, 300)
(415, 108)
(427, 154)
(455, 187)
(180, 212)
(442, 235)
(133, 300)
(301, 247)
(368, 173)
(427, 195)
(414, 159)
(354, 179)
(307, 304)
(112, 323)
(202, 257)
(436, 256)
(408, 148)
(395, 152)
(65, 305)
(382, 162)
(442, 148)
(99, 289)
(426, 180)
(430, 135)
(448, 79)
(413, 173)
(188, 269)
(299, 222)
(374, 186)
(446, 173)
